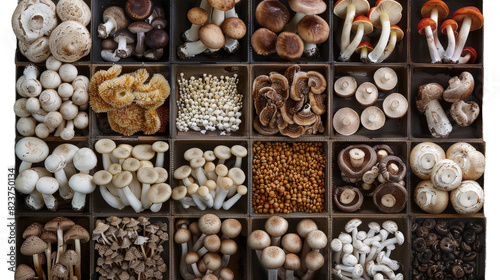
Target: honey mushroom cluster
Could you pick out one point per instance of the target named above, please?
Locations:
(291, 104)
(444, 249)
(41, 183)
(131, 100)
(125, 253)
(290, 38)
(35, 23)
(455, 172)
(215, 26)
(137, 30)
(383, 15)
(309, 242)
(41, 240)
(206, 185)
(458, 92)
(359, 254)
(346, 120)
(202, 244)
(209, 103)
(469, 18)
(377, 173)
(129, 178)
(288, 178)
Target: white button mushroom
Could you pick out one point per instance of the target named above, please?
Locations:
(468, 198)
(85, 160)
(55, 163)
(429, 198)
(81, 121)
(47, 186)
(29, 86)
(52, 63)
(68, 72)
(26, 126)
(50, 79)
(31, 150)
(82, 185)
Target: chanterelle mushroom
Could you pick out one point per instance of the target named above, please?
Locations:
(33, 19)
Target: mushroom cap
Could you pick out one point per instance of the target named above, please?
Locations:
(367, 94)
(345, 86)
(192, 257)
(124, 33)
(426, 22)
(399, 32)
(313, 29)
(85, 159)
(211, 35)
(33, 245)
(305, 117)
(289, 46)
(222, 152)
(316, 82)
(263, 40)
(390, 226)
(143, 152)
(122, 179)
(464, 113)
(76, 232)
(472, 12)
(385, 78)
(316, 239)
(192, 153)
(231, 228)
(393, 10)
(459, 88)
(234, 28)
(179, 192)
(139, 27)
(276, 226)
(82, 183)
(362, 20)
(162, 174)
(364, 44)
(272, 257)
(131, 164)
(390, 197)
(258, 240)
(32, 20)
(105, 146)
(197, 162)
(197, 15)
(139, 9)
(348, 198)
(223, 5)
(159, 193)
(314, 261)
(430, 5)
(340, 7)
(307, 7)
(239, 151)
(209, 224)
(272, 15)
(70, 41)
(318, 103)
(182, 235)
(470, 51)
(26, 181)
(305, 226)
(212, 243)
(69, 258)
(292, 130)
(237, 175)
(212, 261)
(346, 121)
(446, 175)
(372, 118)
(426, 93)
(468, 198)
(430, 199)
(59, 223)
(147, 175)
(423, 158)
(24, 272)
(74, 10)
(471, 161)
(292, 262)
(32, 149)
(35, 229)
(449, 22)
(291, 242)
(156, 39)
(395, 106)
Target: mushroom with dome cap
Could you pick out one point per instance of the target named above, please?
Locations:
(85, 160)
(276, 226)
(425, 27)
(423, 158)
(121, 181)
(230, 228)
(114, 18)
(105, 147)
(24, 272)
(367, 94)
(158, 194)
(272, 15)
(234, 29)
(208, 224)
(470, 19)
(82, 185)
(263, 40)
(430, 199)
(470, 160)
(146, 176)
(219, 7)
(348, 10)
(211, 36)
(313, 262)
(364, 48)
(272, 258)
(59, 225)
(313, 30)
(303, 8)
(69, 259)
(258, 240)
(468, 198)
(289, 46)
(197, 16)
(397, 35)
(140, 28)
(70, 41)
(395, 106)
(78, 235)
(436, 10)
(47, 186)
(385, 14)
(157, 40)
(31, 150)
(362, 26)
(346, 121)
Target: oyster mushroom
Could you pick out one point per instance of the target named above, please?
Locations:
(390, 197)
(430, 199)
(317, 82)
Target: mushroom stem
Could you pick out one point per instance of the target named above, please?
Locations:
(310, 50)
(104, 29)
(383, 40)
(155, 207)
(140, 46)
(231, 45)
(35, 200)
(160, 159)
(435, 17)
(462, 38)
(122, 46)
(292, 25)
(132, 199)
(78, 201)
(191, 35)
(144, 200)
(349, 50)
(112, 200)
(272, 274)
(357, 157)
(390, 47)
(437, 120)
(78, 266)
(217, 16)
(464, 59)
(346, 30)
(436, 58)
(38, 267)
(191, 49)
(451, 44)
(363, 56)
(230, 202)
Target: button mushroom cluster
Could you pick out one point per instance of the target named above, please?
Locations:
(130, 103)
(377, 172)
(207, 246)
(446, 249)
(468, 18)
(455, 172)
(290, 38)
(52, 102)
(291, 104)
(35, 23)
(40, 184)
(346, 120)
(137, 30)
(130, 248)
(207, 185)
(129, 178)
(209, 103)
(360, 254)
(383, 15)
(40, 242)
(289, 254)
(463, 110)
(215, 26)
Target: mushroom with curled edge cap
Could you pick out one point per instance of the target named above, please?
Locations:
(395, 106)
(33, 246)
(436, 10)
(197, 16)
(346, 121)
(468, 198)
(397, 35)
(234, 28)
(355, 160)
(367, 94)
(318, 103)
(303, 8)
(385, 78)
(423, 158)
(263, 40)
(470, 19)
(430, 199)
(385, 14)
(348, 198)
(372, 118)
(272, 15)
(272, 258)
(139, 9)
(390, 197)
(459, 88)
(293, 130)
(362, 26)
(469, 55)
(392, 168)
(345, 86)
(449, 27)
(114, 19)
(33, 19)
(313, 30)
(446, 175)
(289, 46)
(464, 113)
(317, 82)
(427, 102)
(211, 36)
(425, 27)
(305, 117)
(219, 7)
(470, 160)
(364, 48)
(348, 10)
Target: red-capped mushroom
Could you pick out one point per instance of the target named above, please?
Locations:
(427, 26)
(385, 14)
(469, 55)
(470, 19)
(362, 26)
(435, 9)
(363, 49)
(348, 9)
(397, 35)
(449, 27)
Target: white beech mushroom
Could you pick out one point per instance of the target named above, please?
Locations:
(241, 191)
(385, 14)
(348, 9)
(157, 195)
(225, 185)
(470, 19)
(105, 147)
(160, 148)
(426, 27)
(146, 176)
(103, 178)
(121, 181)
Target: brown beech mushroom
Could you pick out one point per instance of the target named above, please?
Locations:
(211, 36)
(140, 28)
(364, 48)
(367, 94)
(385, 78)
(470, 19)
(234, 28)
(390, 197)
(464, 113)
(197, 16)
(423, 158)
(430, 199)
(355, 160)
(468, 198)
(427, 102)
(219, 7)
(346, 121)
(272, 15)
(372, 118)
(272, 258)
(392, 168)
(471, 161)
(70, 41)
(446, 175)
(459, 88)
(33, 19)
(395, 106)
(289, 46)
(348, 198)
(263, 40)
(345, 86)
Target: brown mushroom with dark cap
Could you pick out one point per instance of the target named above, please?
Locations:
(346, 121)
(367, 94)
(459, 88)
(159, 23)
(197, 16)
(157, 40)
(364, 48)
(33, 246)
(210, 35)
(345, 86)
(464, 113)
(303, 8)
(234, 28)
(395, 106)
(382, 151)
(397, 35)
(34, 229)
(348, 198)
(470, 19)
(362, 26)
(77, 234)
(313, 30)
(272, 15)
(390, 197)
(24, 272)
(300, 86)
(318, 103)
(289, 46)
(355, 160)
(392, 168)
(114, 18)
(263, 40)
(140, 28)
(427, 102)
(59, 225)
(385, 78)
(372, 118)
(138, 9)
(219, 7)
(123, 37)
(385, 14)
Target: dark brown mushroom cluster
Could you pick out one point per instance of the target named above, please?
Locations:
(131, 100)
(138, 29)
(291, 38)
(130, 248)
(50, 246)
(377, 173)
(444, 249)
(291, 104)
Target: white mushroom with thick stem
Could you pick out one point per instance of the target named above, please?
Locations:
(82, 185)
(31, 150)
(47, 186)
(55, 163)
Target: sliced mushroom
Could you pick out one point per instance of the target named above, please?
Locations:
(430, 199)
(317, 82)
(293, 130)
(446, 175)
(385, 78)
(280, 84)
(346, 121)
(464, 113)
(395, 106)
(300, 86)
(305, 117)
(348, 198)
(468, 198)
(259, 83)
(372, 118)
(367, 94)
(355, 160)
(392, 168)
(423, 157)
(459, 88)
(345, 86)
(390, 197)
(471, 161)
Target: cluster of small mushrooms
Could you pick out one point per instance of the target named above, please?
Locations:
(130, 100)
(206, 185)
(125, 252)
(35, 23)
(463, 113)
(206, 247)
(455, 172)
(444, 249)
(469, 19)
(40, 184)
(209, 103)
(141, 23)
(385, 15)
(290, 38)
(360, 254)
(288, 254)
(291, 104)
(377, 172)
(129, 178)
(346, 120)
(215, 25)
(53, 102)
(61, 262)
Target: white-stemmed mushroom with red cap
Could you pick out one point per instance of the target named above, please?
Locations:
(469, 55)
(367, 94)
(31, 150)
(372, 118)
(470, 19)
(272, 258)
(425, 27)
(449, 27)
(348, 9)
(362, 26)
(303, 8)
(364, 48)
(436, 10)
(82, 185)
(397, 35)
(385, 14)
(395, 106)
(346, 121)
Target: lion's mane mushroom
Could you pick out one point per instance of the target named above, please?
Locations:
(33, 19)
(355, 160)
(70, 41)
(423, 157)
(459, 88)
(348, 198)
(430, 199)
(468, 198)
(427, 102)
(76, 10)
(390, 197)
(470, 160)
(464, 113)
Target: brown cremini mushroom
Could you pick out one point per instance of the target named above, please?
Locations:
(355, 160)
(263, 41)
(390, 197)
(114, 18)
(289, 46)
(348, 198)
(139, 9)
(459, 88)
(464, 113)
(272, 15)
(427, 102)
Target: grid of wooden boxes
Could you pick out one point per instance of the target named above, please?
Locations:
(411, 63)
